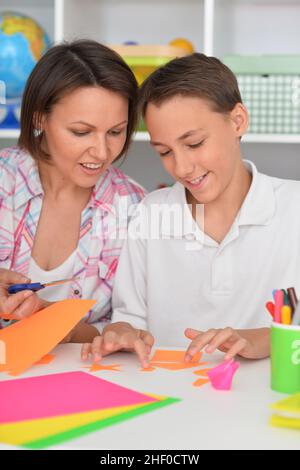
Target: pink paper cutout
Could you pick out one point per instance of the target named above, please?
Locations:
(222, 375)
(60, 394)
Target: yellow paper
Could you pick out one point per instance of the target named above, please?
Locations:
(288, 406)
(27, 431)
(281, 421)
(287, 412)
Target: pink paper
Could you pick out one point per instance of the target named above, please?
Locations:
(60, 394)
(222, 375)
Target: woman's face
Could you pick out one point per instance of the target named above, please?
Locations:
(198, 146)
(85, 132)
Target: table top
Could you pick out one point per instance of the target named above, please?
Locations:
(204, 418)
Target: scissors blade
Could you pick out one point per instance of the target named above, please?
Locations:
(62, 281)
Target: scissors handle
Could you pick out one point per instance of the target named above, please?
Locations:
(15, 288)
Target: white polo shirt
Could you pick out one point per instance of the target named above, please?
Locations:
(169, 284)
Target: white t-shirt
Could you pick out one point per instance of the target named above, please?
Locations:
(190, 280)
(64, 271)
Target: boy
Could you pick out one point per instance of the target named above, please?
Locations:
(215, 276)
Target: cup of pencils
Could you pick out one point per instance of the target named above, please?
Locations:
(285, 341)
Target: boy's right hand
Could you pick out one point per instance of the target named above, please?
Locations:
(23, 303)
(120, 336)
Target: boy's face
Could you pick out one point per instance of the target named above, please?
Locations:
(199, 148)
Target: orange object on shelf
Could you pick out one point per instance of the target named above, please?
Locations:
(149, 50)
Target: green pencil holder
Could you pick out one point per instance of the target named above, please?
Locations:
(285, 358)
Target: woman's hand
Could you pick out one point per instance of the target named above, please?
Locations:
(120, 336)
(23, 303)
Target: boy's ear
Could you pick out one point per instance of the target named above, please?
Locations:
(240, 119)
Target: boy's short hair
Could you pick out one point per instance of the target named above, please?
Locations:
(65, 68)
(193, 75)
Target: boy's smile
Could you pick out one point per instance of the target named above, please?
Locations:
(197, 183)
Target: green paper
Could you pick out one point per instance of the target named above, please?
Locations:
(97, 425)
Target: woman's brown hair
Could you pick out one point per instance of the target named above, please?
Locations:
(64, 68)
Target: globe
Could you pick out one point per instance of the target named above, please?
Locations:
(22, 42)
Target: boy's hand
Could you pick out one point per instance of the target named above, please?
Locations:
(120, 337)
(226, 340)
(23, 303)
(81, 333)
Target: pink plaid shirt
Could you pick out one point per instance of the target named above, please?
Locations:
(100, 241)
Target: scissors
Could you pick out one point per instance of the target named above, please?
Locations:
(36, 286)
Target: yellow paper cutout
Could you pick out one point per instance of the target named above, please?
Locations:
(31, 338)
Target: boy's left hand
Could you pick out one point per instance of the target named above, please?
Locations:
(120, 336)
(226, 340)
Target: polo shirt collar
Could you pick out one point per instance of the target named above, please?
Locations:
(189, 228)
(258, 207)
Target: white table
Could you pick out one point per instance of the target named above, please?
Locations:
(204, 419)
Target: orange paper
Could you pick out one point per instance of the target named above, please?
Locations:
(161, 355)
(173, 365)
(200, 382)
(96, 367)
(202, 372)
(45, 360)
(30, 339)
(148, 369)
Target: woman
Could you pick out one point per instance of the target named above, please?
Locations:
(63, 207)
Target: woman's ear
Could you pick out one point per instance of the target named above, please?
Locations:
(240, 119)
(38, 122)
